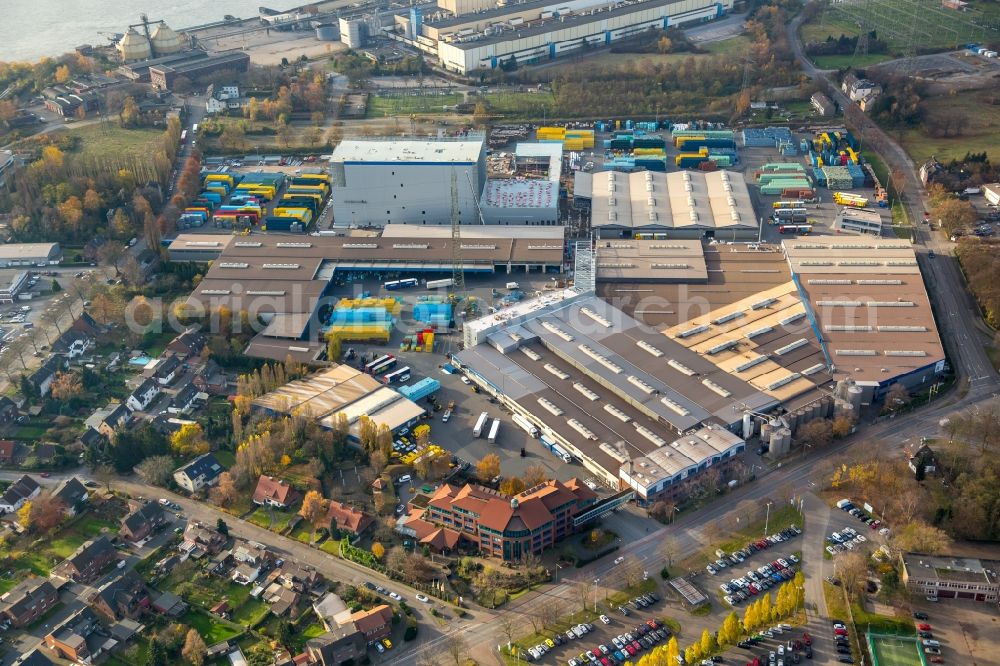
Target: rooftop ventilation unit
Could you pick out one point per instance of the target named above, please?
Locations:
(891, 304)
(904, 352)
(651, 202)
(234, 264)
(859, 262)
(550, 406)
(675, 406)
(643, 386)
(787, 379)
(693, 331)
(216, 244)
(478, 246)
(670, 266)
(762, 304)
(901, 329)
(552, 328)
(653, 216)
(848, 246)
(556, 371)
(360, 246)
(856, 352)
(791, 318)
(600, 358)
(829, 282)
(801, 342)
(283, 267)
(245, 244)
(727, 317)
(649, 186)
(612, 202)
(614, 453)
(900, 263)
(681, 368)
(688, 187)
(846, 328)
(617, 413)
(530, 353)
(596, 317)
(612, 216)
(650, 435)
(585, 391)
(716, 388)
(215, 292)
(813, 369)
(879, 282)
(815, 263)
(734, 215)
(646, 347)
(666, 246)
(840, 304)
(746, 365)
(582, 429)
(759, 331)
(615, 264)
(544, 247)
(893, 246)
(265, 293)
(722, 346)
(621, 246)
(410, 246)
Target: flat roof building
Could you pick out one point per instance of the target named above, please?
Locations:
(859, 220)
(406, 181)
(943, 577)
(530, 195)
(200, 248)
(163, 76)
(679, 204)
(681, 261)
(29, 254)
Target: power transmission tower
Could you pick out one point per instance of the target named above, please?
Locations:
(457, 274)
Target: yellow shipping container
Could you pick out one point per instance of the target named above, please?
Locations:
(391, 305)
(315, 176)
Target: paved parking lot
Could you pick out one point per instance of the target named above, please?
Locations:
(969, 631)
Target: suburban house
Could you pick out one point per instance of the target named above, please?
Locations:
(274, 492)
(80, 638)
(19, 492)
(374, 624)
(342, 645)
(348, 519)
(222, 98)
(166, 370)
(923, 456)
(169, 604)
(200, 539)
(184, 400)
(90, 438)
(210, 378)
(88, 326)
(11, 453)
(187, 344)
(200, 473)
(284, 602)
(28, 600)
(41, 379)
(8, 410)
(295, 576)
(89, 561)
(143, 521)
(73, 344)
(244, 574)
(859, 89)
(72, 493)
(143, 396)
(498, 525)
(824, 105)
(253, 554)
(124, 597)
(107, 420)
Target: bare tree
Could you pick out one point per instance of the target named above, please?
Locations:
(667, 550)
(457, 649)
(508, 625)
(852, 569)
(631, 570)
(584, 589)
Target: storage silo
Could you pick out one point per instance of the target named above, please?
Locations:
(165, 41)
(133, 46)
(327, 32)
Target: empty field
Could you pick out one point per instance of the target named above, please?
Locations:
(980, 132)
(110, 140)
(845, 61)
(381, 106)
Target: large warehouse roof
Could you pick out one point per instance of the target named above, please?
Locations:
(470, 231)
(381, 151)
(680, 200)
(651, 261)
(27, 251)
(870, 304)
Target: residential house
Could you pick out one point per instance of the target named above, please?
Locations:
(284, 601)
(169, 604)
(28, 600)
(107, 420)
(89, 326)
(858, 89)
(331, 611)
(123, 597)
(89, 561)
(8, 410)
(41, 379)
(348, 519)
(90, 438)
(253, 554)
(211, 379)
(143, 397)
(340, 646)
(296, 576)
(11, 452)
(824, 105)
(80, 638)
(274, 492)
(19, 492)
(374, 624)
(166, 370)
(200, 473)
(223, 98)
(244, 573)
(201, 539)
(188, 344)
(72, 493)
(925, 457)
(73, 344)
(143, 520)
(185, 400)
(497, 525)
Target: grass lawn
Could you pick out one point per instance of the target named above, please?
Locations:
(109, 140)
(212, 629)
(92, 526)
(262, 518)
(845, 61)
(520, 104)
(251, 612)
(732, 46)
(882, 624)
(154, 346)
(64, 545)
(302, 533)
(30, 431)
(981, 130)
(642, 587)
(380, 107)
(226, 458)
(331, 547)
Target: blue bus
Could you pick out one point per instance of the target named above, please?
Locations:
(401, 284)
(401, 375)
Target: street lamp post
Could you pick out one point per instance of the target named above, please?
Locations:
(596, 581)
(767, 517)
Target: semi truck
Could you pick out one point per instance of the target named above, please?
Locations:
(480, 424)
(438, 284)
(556, 450)
(494, 429)
(526, 425)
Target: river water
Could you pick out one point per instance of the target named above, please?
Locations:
(30, 29)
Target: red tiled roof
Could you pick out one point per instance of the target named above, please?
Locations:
(6, 448)
(270, 488)
(442, 538)
(348, 518)
(368, 621)
(580, 489)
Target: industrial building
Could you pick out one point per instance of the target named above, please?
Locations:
(943, 577)
(200, 248)
(609, 390)
(859, 220)
(342, 392)
(162, 76)
(680, 261)
(406, 181)
(138, 71)
(12, 284)
(680, 204)
(528, 193)
(29, 254)
(871, 309)
(476, 34)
